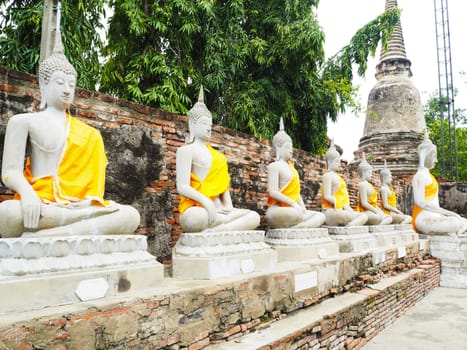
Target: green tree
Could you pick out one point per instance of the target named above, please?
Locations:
(258, 60)
(434, 124)
(20, 36)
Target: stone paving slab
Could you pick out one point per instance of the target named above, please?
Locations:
(437, 322)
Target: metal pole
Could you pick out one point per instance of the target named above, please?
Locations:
(49, 23)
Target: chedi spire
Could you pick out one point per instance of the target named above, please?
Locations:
(395, 46)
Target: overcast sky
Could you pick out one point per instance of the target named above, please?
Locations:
(340, 19)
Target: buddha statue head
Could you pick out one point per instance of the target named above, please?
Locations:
(385, 174)
(200, 119)
(333, 157)
(364, 168)
(282, 143)
(426, 152)
(56, 62)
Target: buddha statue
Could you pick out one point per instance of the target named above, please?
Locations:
(368, 196)
(389, 200)
(56, 166)
(427, 216)
(335, 197)
(203, 181)
(285, 204)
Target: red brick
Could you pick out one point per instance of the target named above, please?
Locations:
(24, 346)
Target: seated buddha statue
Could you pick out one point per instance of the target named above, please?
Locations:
(203, 181)
(389, 199)
(335, 197)
(56, 166)
(368, 196)
(427, 216)
(285, 204)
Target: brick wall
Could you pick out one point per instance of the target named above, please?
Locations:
(141, 143)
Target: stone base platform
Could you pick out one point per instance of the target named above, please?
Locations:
(385, 235)
(452, 251)
(51, 271)
(302, 244)
(406, 232)
(352, 239)
(193, 314)
(212, 255)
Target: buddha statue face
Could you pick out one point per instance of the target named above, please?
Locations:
(285, 151)
(431, 158)
(282, 143)
(201, 128)
(333, 159)
(427, 152)
(364, 169)
(386, 177)
(365, 173)
(59, 91)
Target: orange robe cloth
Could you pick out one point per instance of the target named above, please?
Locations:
(341, 196)
(81, 173)
(431, 191)
(392, 200)
(373, 200)
(291, 189)
(217, 181)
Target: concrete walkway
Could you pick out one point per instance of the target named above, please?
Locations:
(437, 322)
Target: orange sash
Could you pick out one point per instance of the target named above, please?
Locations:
(81, 173)
(291, 189)
(431, 191)
(217, 181)
(341, 196)
(373, 200)
(392, 200)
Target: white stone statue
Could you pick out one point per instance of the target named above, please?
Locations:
(335, 197)
(286, 208)
(368, 196)
(56, 165)
(389, 199)
(427, 216)
(203, 181)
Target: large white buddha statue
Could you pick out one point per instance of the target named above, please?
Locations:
(286, 207)
(389, 199)
(368, 196)
(335, 197)
(427, 216)
(203, 181)
(56, 165)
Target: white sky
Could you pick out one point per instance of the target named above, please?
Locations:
(340, 20)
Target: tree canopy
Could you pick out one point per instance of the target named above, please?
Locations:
(439, 129)
(257, 60)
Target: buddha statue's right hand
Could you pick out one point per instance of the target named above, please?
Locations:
(300, 210)
(212, 212)
(31, 210)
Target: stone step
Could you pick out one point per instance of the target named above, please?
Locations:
(337, 323)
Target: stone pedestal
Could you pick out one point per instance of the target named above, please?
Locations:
(302, 244)
(452, 251)
(352, 239)
(385, 235)
(407, 233)
(212, 255)
(51, 271)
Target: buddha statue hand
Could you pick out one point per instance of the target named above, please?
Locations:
(212, 211)
(31, 209)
